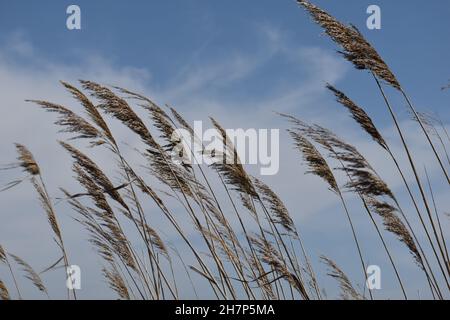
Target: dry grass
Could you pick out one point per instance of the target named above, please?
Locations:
(251, 247)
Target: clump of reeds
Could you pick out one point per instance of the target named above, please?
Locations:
(355, 48)
(4, 293)
(30, 274)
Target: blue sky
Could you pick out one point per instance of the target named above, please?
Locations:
(236, 60)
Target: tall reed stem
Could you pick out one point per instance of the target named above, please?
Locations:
(419, 184)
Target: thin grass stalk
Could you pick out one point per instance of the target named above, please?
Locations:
(244, 229)
(443, 129)
(347, 290)
(148, 244)
(236, 176)
(430, 122)
(173, 277)
(419, 184)
(171, 218)
(186, 270)
(210, 223)
(235, 243)
(265, 241)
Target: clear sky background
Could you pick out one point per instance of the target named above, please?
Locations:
(235, 60)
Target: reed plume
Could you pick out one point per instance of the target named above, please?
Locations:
(4, 293)
(359, 115)
(395, 225)
(4, 259)
(348, 292)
